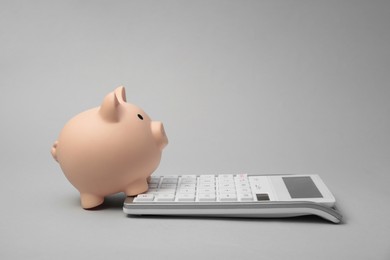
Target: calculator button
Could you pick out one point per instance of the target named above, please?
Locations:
(168, 186)
(144, 198)
(244, 190)
(227, 197)
(227, 191)
(206, 190)
(187, 186)
(169, 180)
(262, 196)
(188, 179)
(185, 197)
(187, 191)
(243, 185)
(245, 197)
(259, 184)
(207, 185)
(242, 176)
(225, 177)
(227, 185)
(166, 191)
(207, 177)
(165, 197)
(206, 181)
(151, 191)
(206, 197)
(154, 180)
(226, 180)
(191, 176)
(153, 185)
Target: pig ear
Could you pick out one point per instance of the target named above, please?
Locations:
(121, 94)
(109, 109)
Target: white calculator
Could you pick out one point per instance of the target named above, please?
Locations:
(235, 195)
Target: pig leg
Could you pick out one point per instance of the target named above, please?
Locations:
(54, 150)
(137, 187)
(89, 201)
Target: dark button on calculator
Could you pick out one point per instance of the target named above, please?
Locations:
(262, 196)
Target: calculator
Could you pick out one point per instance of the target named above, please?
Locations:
(235, 195)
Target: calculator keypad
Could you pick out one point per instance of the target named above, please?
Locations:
(206, 188)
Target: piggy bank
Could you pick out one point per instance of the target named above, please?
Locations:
(109, 149)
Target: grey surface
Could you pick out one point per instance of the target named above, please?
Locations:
(242, 86)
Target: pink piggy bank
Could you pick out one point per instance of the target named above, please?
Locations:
(109, 149)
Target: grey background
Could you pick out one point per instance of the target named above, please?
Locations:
(241, 86)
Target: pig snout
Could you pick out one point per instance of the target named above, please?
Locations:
(159, 134)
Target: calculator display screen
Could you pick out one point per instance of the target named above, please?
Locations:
(301, 187)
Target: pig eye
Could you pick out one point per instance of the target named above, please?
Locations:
(140, 117)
